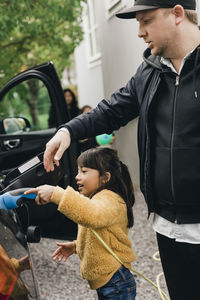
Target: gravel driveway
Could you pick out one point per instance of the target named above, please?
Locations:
(63, 281)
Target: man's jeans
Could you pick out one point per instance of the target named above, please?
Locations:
(121, 286)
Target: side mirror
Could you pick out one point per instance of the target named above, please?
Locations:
(15, 125)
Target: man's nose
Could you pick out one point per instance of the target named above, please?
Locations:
(141, 32)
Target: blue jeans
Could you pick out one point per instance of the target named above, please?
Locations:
(121, 286)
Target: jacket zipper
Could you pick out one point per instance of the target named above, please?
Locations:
(172, 137)
(147, 139)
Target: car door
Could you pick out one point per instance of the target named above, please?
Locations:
(29, 101)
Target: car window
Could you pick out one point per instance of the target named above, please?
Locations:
(29, 100)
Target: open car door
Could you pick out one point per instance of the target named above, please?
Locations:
(28, 103)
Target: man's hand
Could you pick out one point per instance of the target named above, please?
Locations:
(55, 149)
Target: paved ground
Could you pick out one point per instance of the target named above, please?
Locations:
(63, 281)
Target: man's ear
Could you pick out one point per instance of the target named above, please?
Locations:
(106, 177)
(179, 13)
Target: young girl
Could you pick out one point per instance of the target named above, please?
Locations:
(104, 202)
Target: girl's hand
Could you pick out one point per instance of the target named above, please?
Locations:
(44, 193)
(64, 251)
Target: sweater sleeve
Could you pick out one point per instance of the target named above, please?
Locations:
(16, 265)
(104, 209)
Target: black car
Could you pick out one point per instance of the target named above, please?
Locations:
(25, 105)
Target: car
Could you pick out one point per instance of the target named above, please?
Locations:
(25, 105)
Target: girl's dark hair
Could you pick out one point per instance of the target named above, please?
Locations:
(104, 160)
(74, 111)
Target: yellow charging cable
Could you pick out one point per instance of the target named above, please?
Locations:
(161, 292)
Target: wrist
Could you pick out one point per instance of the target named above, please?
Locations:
(56, 195)
(65, 130)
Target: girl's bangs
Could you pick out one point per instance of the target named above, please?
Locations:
(88, 159)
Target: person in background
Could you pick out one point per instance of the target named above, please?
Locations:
(72, 103)
(91, 142)
(104, 203)
(72, 106)
(85, 109)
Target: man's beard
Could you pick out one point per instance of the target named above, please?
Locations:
(158, 52)
(161, 50)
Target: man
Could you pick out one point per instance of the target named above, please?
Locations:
(164, 93)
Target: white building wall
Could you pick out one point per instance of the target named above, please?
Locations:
(89, 72)
(89, 80)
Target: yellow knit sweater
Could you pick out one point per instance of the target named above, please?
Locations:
(106, 213)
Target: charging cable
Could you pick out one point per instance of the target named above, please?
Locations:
(162, 294)
(13, 199)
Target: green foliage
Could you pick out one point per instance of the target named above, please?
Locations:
(35, 31)
(29, 99)
(12, 104)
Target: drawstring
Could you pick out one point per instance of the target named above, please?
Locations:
(195, 73)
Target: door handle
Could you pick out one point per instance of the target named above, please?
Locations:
(10, 144)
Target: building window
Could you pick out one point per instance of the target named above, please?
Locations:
(91, 31)
(114, 6)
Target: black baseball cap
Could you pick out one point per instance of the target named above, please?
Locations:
(141, 5)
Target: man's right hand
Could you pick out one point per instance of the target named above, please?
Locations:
(55, 149)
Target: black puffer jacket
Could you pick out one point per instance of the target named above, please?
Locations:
(168, 133)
